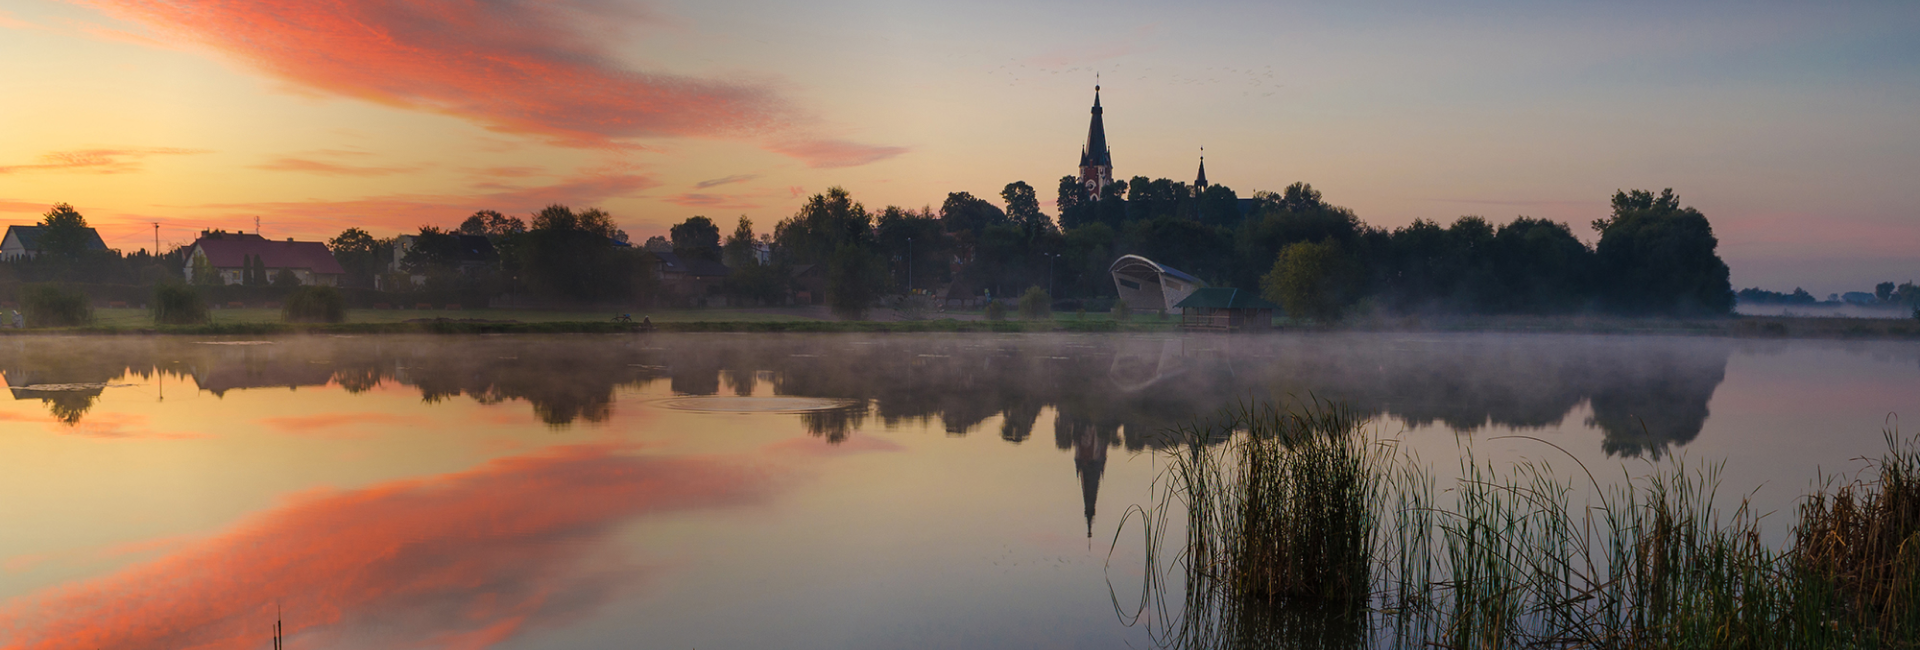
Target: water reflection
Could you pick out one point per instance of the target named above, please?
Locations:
(457, 560)
(1645, 395)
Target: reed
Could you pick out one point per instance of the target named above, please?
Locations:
(1302, 530)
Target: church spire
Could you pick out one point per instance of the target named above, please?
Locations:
(1096, 160)
(1201, 182)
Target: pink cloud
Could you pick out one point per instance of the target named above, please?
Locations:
(834, 153)
(516, 66)
(527, 67)
(24, 206)
(462, 560)
(97, 161)
(724, 180)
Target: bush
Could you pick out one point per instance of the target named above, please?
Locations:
(1121, 310)
(178, 304)
(996, 311)
(48, 305)
(1035, 304)
(315, 304)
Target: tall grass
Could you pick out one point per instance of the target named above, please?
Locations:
(1301, 529)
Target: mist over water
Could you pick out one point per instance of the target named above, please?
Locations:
(835, 490)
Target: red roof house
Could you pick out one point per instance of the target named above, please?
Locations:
(228, 254)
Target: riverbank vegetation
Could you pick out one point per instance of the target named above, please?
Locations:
(1298, 528)
(1652, 257)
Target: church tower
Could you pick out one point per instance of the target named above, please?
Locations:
(1096, 161)
(1200, 184)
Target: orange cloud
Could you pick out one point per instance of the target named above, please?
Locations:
(7, 205)
(834, 153)
(460, 560)
(97, 161)
(311, 166)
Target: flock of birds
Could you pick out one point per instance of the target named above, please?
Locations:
(1254, 82)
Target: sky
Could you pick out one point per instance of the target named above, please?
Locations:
(1795, 127)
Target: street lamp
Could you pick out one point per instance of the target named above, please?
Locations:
(909, 266)
(1050, 258)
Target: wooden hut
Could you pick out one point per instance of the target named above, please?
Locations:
(1221, 309)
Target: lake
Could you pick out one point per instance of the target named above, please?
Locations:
(754, 490)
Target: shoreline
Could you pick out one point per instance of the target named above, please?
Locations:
(1762, 327)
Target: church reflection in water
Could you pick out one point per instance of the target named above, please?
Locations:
(1645, 395)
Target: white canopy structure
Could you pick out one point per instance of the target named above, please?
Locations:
(1146, 284)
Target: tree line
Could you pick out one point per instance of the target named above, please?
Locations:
(1317, 259)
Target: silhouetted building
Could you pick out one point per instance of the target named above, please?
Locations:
(1146, 284)
(23, 242)
(1096, 160)
(1225, 309)
(229, 253)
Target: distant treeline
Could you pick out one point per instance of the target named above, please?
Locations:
(1317, 259)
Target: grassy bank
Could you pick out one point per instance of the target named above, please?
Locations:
(1301, 531)
(262, 321)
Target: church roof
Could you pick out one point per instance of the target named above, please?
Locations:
(1096, 153)
(1201, 182)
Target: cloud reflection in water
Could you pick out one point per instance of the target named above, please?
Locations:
(459, 560)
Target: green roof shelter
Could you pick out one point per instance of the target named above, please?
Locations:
(1222, 309)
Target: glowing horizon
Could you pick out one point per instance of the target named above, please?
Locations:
(1788, 126)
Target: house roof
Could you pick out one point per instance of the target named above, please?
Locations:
(674, 263)
(1225, 298)
(29, 237)
(230, 250)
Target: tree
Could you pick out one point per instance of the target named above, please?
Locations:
(492, 224)
(285, 279)
(1312, 280)
(1023, 208)
(964, 213)
(1656, 257)
(696, 238)
(853, 277)
(361, 255)
(1074, 203)
(916, 245)
(203, 271)
(1883, 291)
(64, 233)
(571, 255)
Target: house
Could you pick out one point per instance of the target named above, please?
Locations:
(23, 242)
(228, 254)
(690, 278)
(469, 254)
(1221, 309)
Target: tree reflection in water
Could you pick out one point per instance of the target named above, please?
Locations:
(1645, 395)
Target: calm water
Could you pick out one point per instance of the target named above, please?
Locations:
(745, 491)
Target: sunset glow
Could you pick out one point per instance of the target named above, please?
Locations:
(1789, 126)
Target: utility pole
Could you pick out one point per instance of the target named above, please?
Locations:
(909, 266)
(156, 240)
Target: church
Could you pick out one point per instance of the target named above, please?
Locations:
(1096, 158)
